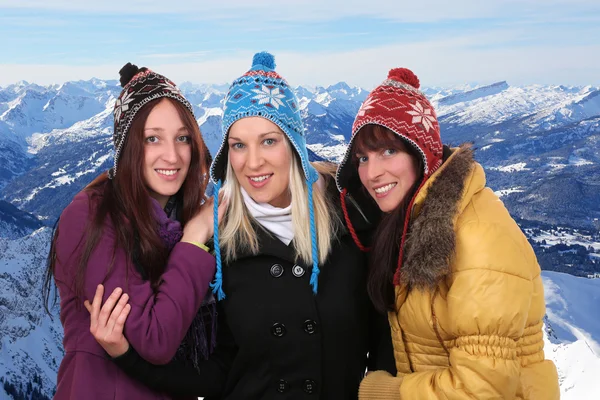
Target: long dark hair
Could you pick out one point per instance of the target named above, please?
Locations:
(386, 240)
(125, 200)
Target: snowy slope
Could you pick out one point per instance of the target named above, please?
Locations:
(210, 127)
(15, 223)
(15, 160)
(573, 333)
(491, 105)
(37, 109)
(473, 94)
(30, 342)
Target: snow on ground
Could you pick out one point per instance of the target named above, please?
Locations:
(504, 192)
(559, 236)
(330, 152)
(574, 339)
(579, 161)
(512, 167)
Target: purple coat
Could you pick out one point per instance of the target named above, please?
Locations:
(156, 323)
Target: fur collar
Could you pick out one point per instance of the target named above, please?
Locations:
(430, 242)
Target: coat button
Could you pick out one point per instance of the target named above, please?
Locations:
(283, 386)
(276, 270)
(310, 326)
(298, 271)
(309, 386)
(278, 329)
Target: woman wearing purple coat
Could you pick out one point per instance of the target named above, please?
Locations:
(124, 230)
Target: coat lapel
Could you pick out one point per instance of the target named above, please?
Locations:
(270, 245)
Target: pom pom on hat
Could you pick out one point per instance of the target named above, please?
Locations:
(265, 59)
(127, 73)
(404, 75)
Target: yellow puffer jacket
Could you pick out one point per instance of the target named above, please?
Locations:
(470, 300)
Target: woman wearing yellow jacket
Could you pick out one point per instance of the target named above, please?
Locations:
(456, 275)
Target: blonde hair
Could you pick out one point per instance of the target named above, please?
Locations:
(237, 232)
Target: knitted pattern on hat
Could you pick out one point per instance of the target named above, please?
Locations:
(140, 86)
(262, 92)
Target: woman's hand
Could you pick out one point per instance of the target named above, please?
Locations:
(200, 227)
(107, 323)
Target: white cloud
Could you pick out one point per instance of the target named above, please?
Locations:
(190, 54)
(443, 62)
(318, 10)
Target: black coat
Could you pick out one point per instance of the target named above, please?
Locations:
(278, 340)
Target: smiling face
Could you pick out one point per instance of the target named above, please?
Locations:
(261, 159)
(167, 151)
(386, 168)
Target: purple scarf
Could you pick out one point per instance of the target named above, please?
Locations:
(200, 339)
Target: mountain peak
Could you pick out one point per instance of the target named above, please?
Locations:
(343, 86)
(474, 94)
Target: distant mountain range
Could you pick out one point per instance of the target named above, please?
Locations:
(538, 144)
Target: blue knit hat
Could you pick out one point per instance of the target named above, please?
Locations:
(262, 92)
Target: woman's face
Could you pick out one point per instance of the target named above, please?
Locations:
(261, 160)
(388, 174)
(167, 151)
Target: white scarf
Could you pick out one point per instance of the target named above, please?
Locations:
(276, 220)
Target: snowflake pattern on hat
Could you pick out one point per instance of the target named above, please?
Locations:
(366, 106)
(269, 95)
(422, 115)
(122, 104)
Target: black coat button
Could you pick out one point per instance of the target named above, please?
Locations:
(298, 271)
(276, 270)
(309, 386)
(283, 386)
(278, 329)
(310, 326)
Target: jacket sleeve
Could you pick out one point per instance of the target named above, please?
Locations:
(179, 379)
(158, 320)
(488, 301)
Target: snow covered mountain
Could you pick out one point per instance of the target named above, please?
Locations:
(533, 140)
(572, 337)
(30, 341)
(539, 145)
(15, 159)
(15, 223)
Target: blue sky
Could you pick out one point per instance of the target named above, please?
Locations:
(316, 42)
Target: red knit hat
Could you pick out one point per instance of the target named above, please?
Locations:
(398, 105)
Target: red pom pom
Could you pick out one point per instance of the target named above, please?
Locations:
(404, 75)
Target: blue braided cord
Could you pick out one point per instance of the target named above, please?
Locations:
(217, 285)
(314, 278)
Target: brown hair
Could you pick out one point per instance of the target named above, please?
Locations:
(124, 200)
(386, 239)
(377, 137)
